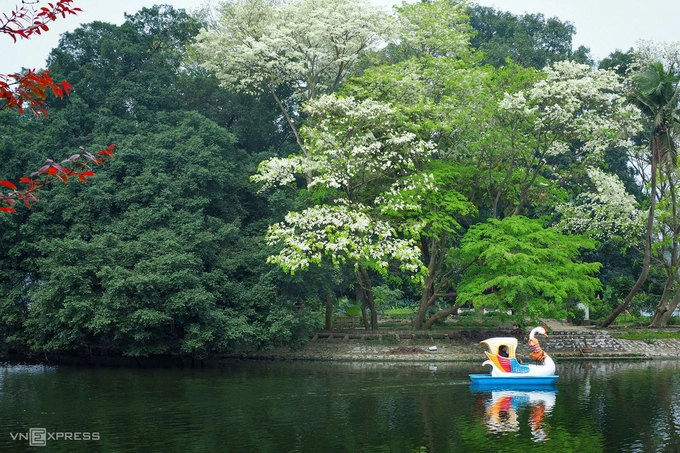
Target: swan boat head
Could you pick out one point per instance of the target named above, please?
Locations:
(540, 330)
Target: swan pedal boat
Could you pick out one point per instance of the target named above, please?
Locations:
(508, 371)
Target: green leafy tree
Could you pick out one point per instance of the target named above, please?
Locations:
(529, 40)
(142, 264)
(618, 61)
(164, 254)
(518, 264)
(432, 210)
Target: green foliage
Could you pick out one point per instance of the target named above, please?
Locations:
(518, 264)
(399, 313)
(530, 40)
(647, 335)
(287, 328)
(349, 307)
(162, 252)
(384, 296)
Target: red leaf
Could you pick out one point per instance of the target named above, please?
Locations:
(8, 184)
(7, 210)
(82, 176)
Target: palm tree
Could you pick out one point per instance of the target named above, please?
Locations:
(656, 91)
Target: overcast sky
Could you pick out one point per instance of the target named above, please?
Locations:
(605, 25)
(602, 25)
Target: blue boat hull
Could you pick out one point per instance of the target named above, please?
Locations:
(509, 382)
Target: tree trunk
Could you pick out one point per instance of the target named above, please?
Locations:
(329, 312)
(426, 301)
(666, 306)
(663, 314)
(648, 245)
(665, 300)
(427, 298)
(671, 309)
(441, 314)
(367, 299)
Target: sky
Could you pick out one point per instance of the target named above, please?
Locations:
(602, 25)
(605, 26)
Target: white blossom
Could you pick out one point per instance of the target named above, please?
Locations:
(574, 103)
(344, 233)
(350, 143)
(256, 45)
(607, 211)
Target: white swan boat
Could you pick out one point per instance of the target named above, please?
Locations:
(506, 368)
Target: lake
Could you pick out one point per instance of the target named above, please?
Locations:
(295, 406)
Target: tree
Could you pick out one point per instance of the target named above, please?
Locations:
(357, 153)
(439, 28)
(433, 211)
(515, 136)
(138, 272)
(161, 253)
(518, 264)
(656, 92)
(602, 211)
(529, 40)
(295, 50)
(570, 118)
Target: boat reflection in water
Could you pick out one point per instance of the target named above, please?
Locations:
(504, 409)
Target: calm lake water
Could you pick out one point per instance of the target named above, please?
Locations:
(338, 407)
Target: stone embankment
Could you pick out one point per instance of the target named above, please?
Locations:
(357, 344)
(600, 342)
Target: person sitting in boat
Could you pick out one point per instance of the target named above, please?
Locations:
(503, 351)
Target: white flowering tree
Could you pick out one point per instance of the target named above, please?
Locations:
(516, 152)
(439, 28)
(294, 50)
(603, 210)
(570, 117)
(360, 162)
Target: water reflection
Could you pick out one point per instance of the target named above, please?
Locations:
(344, 407)
(503, 407)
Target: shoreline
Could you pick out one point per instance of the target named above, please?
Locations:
(355, 345)
(464, 347)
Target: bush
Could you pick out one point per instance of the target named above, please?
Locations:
(349, 307)
(292, 329)
(399, 313)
